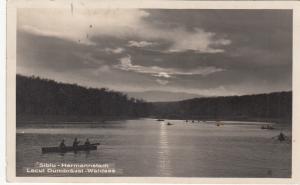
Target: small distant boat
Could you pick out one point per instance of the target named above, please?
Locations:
(219, 124)
(160, 120)
(282, 137)
(268, 127)
(70, 148)
(169, 123)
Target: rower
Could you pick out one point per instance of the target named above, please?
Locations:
(281, 137)
(75, 143)
(87, 142)
(62, 144)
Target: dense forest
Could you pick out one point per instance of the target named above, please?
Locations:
(42, 97)
(267, 107)
(37, 96)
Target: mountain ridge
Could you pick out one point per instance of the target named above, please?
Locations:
(162, 96)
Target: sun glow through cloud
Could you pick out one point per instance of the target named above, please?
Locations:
(208, 53)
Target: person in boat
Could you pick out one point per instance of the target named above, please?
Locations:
(75, 143)
(87, 142)
(281, 137)
(62, 144)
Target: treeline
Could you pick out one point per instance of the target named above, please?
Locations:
(272, 106)
(36, 96)
(41, 97)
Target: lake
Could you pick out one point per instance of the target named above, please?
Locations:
(150, 148)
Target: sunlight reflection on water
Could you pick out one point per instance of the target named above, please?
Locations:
(146, 147)
(164, 153)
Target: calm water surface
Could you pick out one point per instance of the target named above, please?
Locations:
(147, 147)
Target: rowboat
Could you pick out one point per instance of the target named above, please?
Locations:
(70, 148)
(219, 123)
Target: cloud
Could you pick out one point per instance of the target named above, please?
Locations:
(37, 31)
(140, 44)
(198, 40)
(163, 74)
(114, 50)
(162, 82)
(84, 25)
(179, 54)
(156, 71)
(101, 69)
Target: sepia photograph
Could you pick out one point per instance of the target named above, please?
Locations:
(153, 92)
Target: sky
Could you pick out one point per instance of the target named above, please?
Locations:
(197, 52)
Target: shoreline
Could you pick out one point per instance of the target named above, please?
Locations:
(265, 120)
(50, 119)
(71, 119)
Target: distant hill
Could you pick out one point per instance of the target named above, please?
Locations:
(272, 106)
(41, 97)
(36, 96)
(162, 96)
